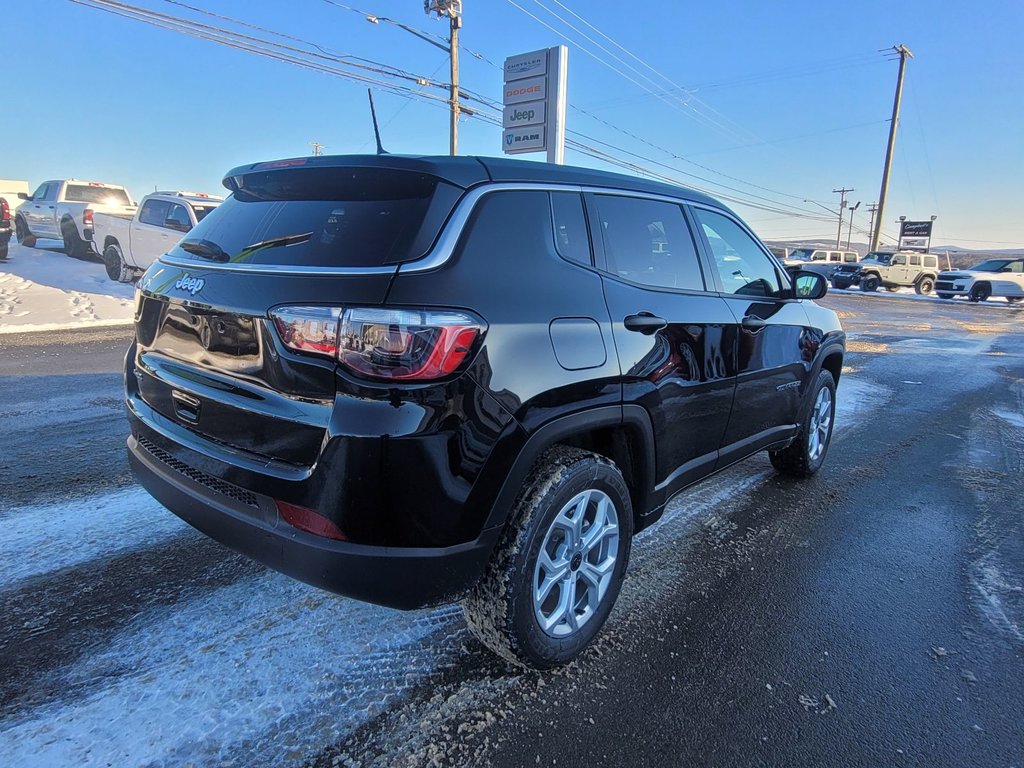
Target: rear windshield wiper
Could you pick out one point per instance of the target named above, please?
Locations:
(276, 242)
(205, 249)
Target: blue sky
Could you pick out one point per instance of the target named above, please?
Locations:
(780, 101)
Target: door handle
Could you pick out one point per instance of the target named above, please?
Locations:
(752, 323)
(644, 322)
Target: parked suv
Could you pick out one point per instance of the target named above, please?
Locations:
(415, 380)
(992, 277)
(819, 260)
(892, 271)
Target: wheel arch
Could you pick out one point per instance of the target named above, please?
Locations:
(623, 434)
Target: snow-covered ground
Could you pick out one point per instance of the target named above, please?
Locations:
(260, 671)
(41, 289)
(910, 293)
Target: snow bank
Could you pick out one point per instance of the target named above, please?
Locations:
(41, 289)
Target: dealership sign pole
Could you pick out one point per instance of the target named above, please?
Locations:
(534, 103)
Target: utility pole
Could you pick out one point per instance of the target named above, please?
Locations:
(872, 209)
(318, 148)
(849, 232)
(904, 54)
(453, 10)
(842, 204)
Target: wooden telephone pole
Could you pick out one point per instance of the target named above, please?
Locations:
(876, 233)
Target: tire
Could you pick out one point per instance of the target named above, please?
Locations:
(870, 283)
(3, 251)
(892, 288)
(506, 608)
(22, 233)
(113, 262)
(980, 292)
(1015, 299)
(807, 453)
(74, 245)
(924, 286)
(944, 295)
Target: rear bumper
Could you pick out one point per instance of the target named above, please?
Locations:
(396, 577)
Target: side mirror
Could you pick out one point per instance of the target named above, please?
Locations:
(809, 285)
(176, 225)
(24, 196)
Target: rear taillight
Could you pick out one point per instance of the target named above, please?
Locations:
(385, 344)
(87, 217)
(5, 210)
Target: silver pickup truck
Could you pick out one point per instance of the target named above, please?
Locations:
(64, 210)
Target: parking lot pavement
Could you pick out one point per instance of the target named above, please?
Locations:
(872, 615)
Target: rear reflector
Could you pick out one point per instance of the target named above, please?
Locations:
(386, 344)
(309, 520)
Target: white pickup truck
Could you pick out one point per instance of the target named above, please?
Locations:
(64, 210)
(130, 242)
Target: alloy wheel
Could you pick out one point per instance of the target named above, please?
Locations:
(821, 422)
(575, 563)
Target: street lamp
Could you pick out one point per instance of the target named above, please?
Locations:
(849, 232)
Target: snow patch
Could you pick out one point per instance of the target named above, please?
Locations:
(262, 672)
(44, 290)
(43, 538)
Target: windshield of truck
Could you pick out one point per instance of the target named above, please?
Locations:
(324, 217)
(801, 254)
(98, 195)
(882, 257)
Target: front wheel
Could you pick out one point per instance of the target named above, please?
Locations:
(807, 452)
(980, 292)
(870, 283)
(924, 286)
(114, 264)
(22, 233)
(555, 575)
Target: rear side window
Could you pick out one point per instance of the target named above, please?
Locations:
(154, 212)
(571, 238)
(324, 217)
(648, 242)
(86, 193)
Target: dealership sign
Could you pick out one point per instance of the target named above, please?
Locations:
(533, 119)
(915, 236)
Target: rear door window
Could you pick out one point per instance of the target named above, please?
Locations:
(324, 217)
(154, 212)
(648, 242)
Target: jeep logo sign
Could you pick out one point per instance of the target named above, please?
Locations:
(531, 113)
(191, 285)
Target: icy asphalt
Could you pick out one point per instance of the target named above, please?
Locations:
(871, 616)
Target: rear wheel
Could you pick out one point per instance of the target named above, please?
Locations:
(74, 245)
(870, 283)
(924, 286)
(807, 453)
(1015, 299)
(557, 570)
(22, 233)
(113, 261)
(980, 292)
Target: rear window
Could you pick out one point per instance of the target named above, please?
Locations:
(86, 193)
(324, 217)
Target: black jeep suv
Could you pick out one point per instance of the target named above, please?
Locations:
(414, 380)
